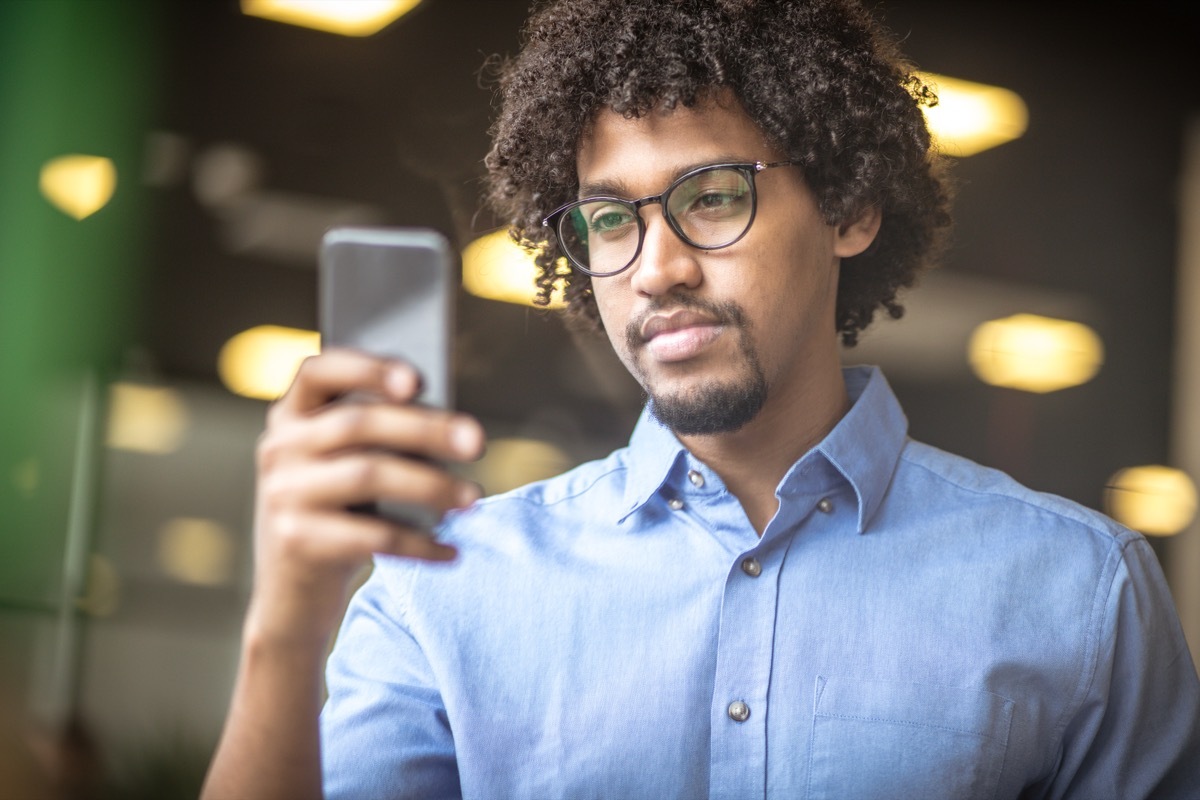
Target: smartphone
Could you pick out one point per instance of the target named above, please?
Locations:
(390, 292)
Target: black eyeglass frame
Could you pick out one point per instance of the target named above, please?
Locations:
(555, 219)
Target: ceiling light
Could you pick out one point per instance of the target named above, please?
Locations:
(970, 117)
(261, 362)
(145, 419)
(1153, 499)
(196, 551)
(78, 185)
(496, 268)
(344, 17)
(1035, 354)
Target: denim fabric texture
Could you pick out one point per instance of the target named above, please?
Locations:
(910, 625)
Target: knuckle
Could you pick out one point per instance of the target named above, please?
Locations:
(276, 493)
(354, 421)
(366, 471)
(268, 450)
(276, 413)
(277, 445)
(290, 532)
(307, 365)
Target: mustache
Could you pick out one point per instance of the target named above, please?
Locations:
(726, 313)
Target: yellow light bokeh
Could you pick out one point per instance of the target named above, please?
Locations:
(261, 362)
(1035, 354)
(343, 17)
(1153, 499)
(513, 462)
(145, 419)
(971, 117)
(196, 551)
(78, 185)
(496, 268)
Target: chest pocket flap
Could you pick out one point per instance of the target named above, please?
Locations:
(876, 738)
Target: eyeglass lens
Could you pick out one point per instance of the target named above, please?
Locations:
(709, 209)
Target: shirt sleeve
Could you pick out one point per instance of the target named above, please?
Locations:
(384, 728)
(1136, 733)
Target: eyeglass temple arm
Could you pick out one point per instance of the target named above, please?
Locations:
(759, 166)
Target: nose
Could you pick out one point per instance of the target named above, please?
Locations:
(666, 262)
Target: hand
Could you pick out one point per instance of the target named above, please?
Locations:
(316, 458)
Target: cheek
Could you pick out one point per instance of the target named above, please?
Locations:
(605, 304)
(611, 302)
(796, 297)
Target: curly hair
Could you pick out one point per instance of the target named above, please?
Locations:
(822, 79)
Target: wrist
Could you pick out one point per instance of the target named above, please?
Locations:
(269, 629)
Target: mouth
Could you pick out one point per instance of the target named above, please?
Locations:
(679, 335)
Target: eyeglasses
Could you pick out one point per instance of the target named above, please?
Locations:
(709, 208)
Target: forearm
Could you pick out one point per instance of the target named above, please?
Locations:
(270, 747)
(316, 459)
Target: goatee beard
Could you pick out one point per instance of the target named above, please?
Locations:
(715, 407)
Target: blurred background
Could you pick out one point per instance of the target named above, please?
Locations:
(167, 171)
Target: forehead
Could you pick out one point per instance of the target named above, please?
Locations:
(653, 149)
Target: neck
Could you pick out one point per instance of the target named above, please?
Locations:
(753, 459)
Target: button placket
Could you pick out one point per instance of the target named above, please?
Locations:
(745, 646)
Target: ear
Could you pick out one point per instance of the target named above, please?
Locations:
(855, 235)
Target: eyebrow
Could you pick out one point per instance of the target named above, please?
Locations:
(618, 188)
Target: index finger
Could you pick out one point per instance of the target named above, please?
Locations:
(338, 371)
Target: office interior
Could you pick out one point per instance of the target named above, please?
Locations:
(169, 170)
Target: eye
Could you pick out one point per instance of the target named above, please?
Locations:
(716, 200)
(608, 218)
(713, 194)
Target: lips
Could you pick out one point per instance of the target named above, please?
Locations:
(670, 322)
(679, 335)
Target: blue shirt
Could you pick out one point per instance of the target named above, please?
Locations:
(910, 625)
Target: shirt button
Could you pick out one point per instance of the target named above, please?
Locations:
(675, 503)
(751, 567)
(825, 506)
(739, 711)
(696, 478)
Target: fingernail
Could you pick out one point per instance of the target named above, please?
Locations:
(401, 381)
(467, 438)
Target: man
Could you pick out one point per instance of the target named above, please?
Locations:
(771, 591)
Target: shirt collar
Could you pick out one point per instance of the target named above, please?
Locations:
(653, 452)
(864, 447)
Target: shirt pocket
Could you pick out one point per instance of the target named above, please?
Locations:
(874, 739)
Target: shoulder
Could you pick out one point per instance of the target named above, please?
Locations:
(949, 487)
(512, 547)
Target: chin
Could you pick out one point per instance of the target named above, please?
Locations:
(712, 408)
